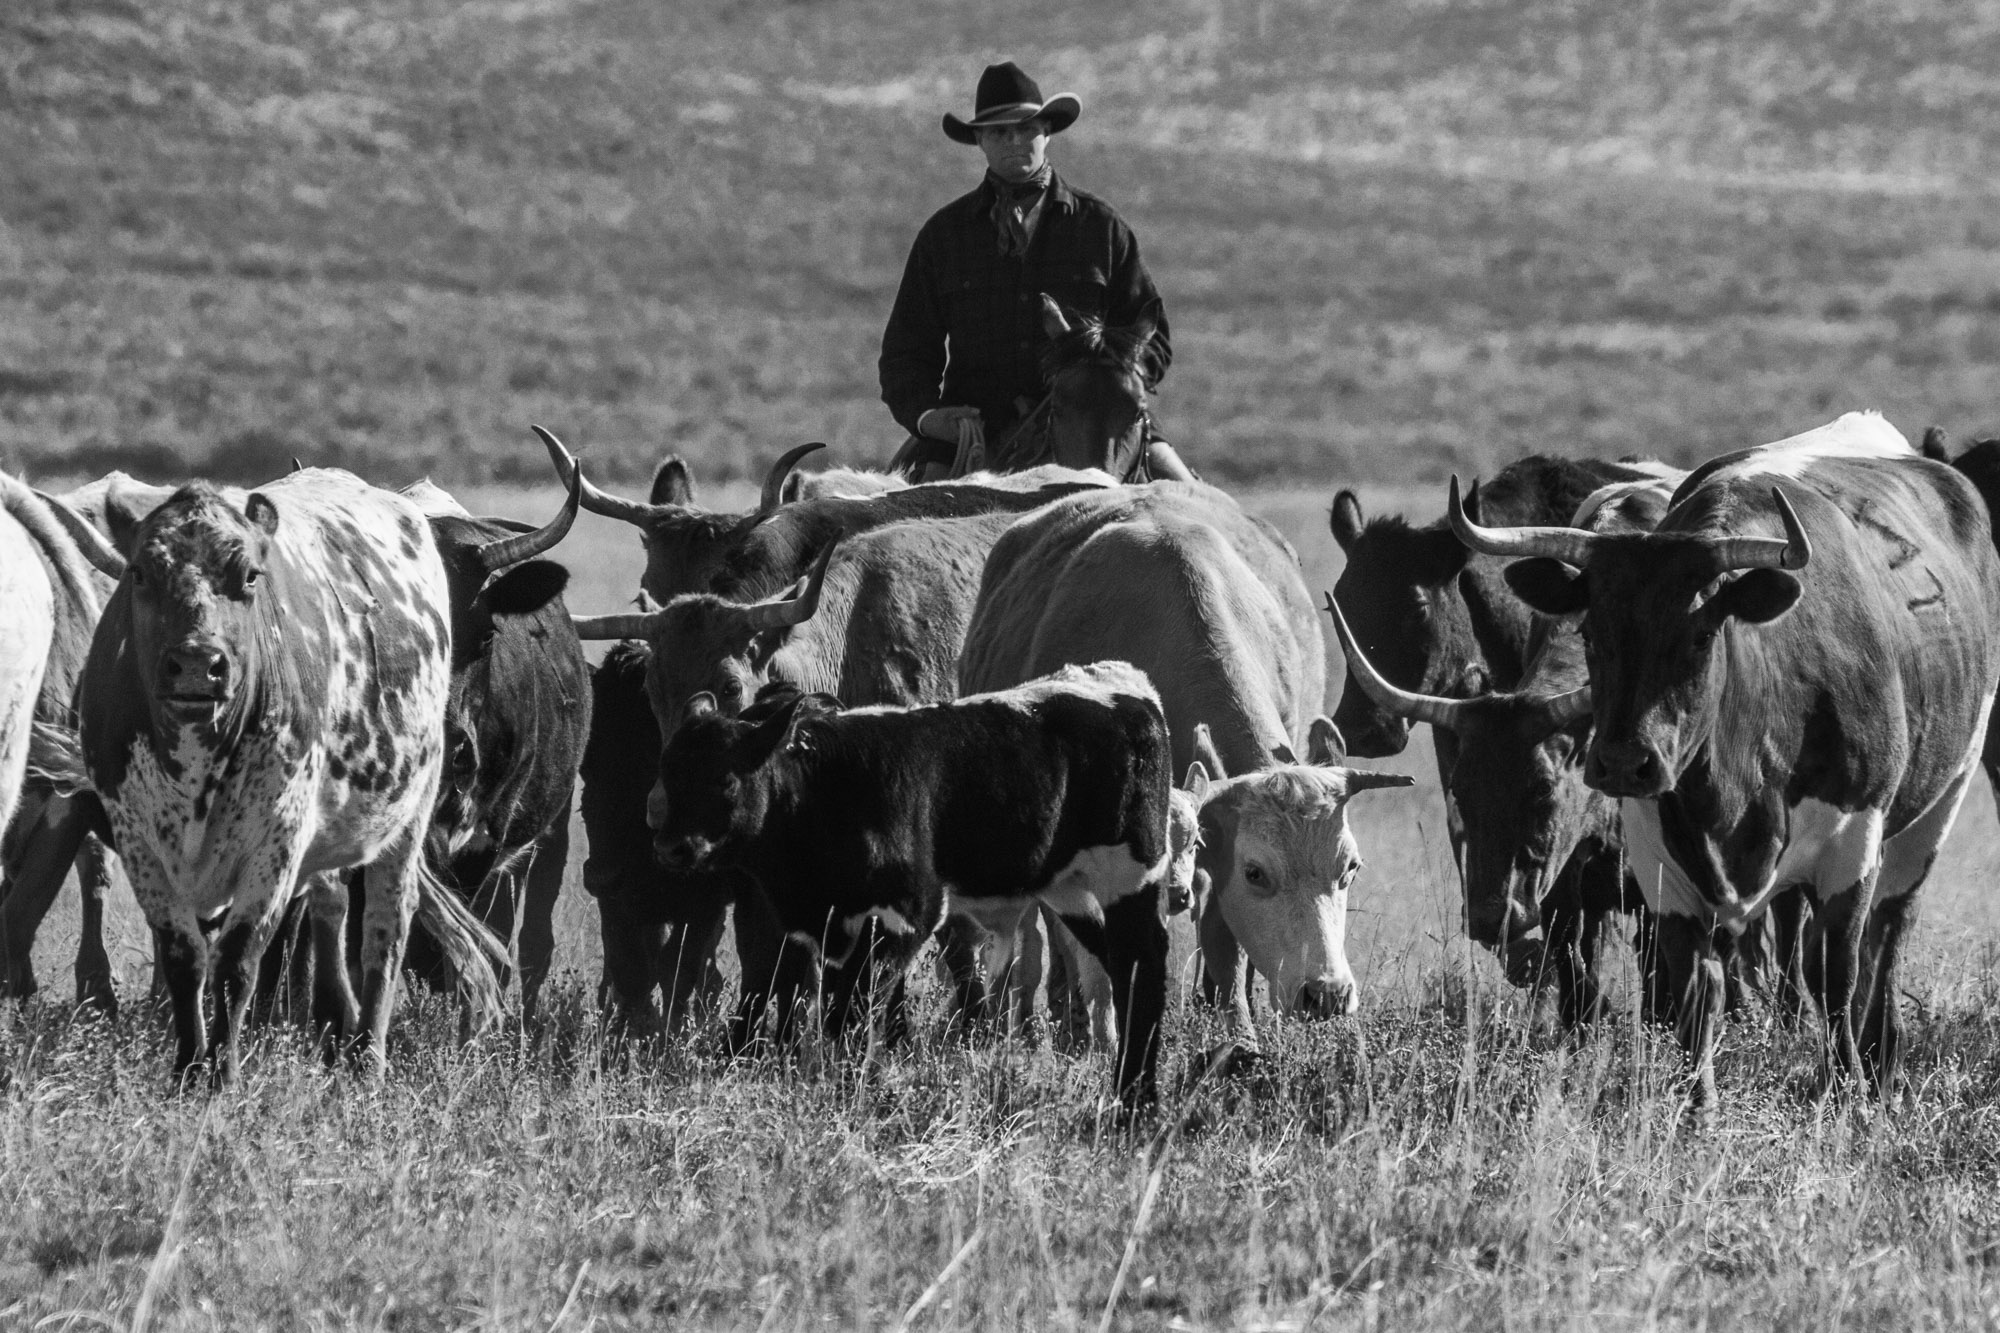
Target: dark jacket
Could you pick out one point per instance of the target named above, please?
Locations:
(957, 290)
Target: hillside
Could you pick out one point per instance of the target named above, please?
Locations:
(1394, 239)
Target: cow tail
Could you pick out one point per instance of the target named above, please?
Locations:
(55, 759)
(475, 953)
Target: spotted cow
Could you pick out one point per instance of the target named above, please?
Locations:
(263, 704)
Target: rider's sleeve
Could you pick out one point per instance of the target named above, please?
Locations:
(913, 343)
(1133, 296)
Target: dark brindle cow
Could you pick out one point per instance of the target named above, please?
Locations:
(872, 822)
(1542, 851)
(515, 729)
(1791, 680)
(263, 704)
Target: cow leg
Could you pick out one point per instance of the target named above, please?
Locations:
(543, 877)
(52, 832)
(1845, 922)
(1224, 959)
(1687, 951)
(238, 953)
(777, 970)
(183, 957)
(391, 881)
(1882, 1021)
(684, 960)
(1024, 974)
(335, 1012)
(1791, 988)
(1132, 943)
(285, 967)
(94, 989)
(960, 946)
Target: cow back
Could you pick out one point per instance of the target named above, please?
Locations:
(1175, 579)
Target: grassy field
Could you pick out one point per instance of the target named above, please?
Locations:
(1395, 240)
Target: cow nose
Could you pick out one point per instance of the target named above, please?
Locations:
(656, 807)
(1625, 768)
(1328, 999)
(195, 667)
(679, 855)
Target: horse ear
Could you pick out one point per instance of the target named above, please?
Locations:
(1346, 519)
(1055, 322)
(672, 483)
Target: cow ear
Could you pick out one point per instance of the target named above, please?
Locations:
(792, 487)
(1345, 519)
(1549, 586)
(1055, 323)
(1324, 743)
(1757, 598)
(672, 483)
(123, 518)
(526, 588)
(259, 510)
(701, 705)
(1283, 753)
(1196, 782)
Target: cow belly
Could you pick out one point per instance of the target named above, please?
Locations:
(1907, 855)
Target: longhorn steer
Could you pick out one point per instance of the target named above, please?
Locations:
(1540, 849)
(1791, 679)
(874, 821)
(880, 619)
(1175, 578)
(263, 703)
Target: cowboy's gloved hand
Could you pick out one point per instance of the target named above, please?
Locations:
(942, 423)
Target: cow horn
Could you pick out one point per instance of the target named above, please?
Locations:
(101, 554)
(1363, 779)
(624, 625)
(1572, 546)
(783, 612)
(596, 501)
(1205, 751)
(509, 551)
(774, 481)
(1559, 710)
(1417, 707)
(1793, 553)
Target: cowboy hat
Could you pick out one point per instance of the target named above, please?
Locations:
(1006, 96)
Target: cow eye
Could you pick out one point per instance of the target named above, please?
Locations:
(1254, 876)
(250, 577)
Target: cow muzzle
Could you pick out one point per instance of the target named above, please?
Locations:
(194, 674)
(681, 854)
(1626, 768)
(1327, 999)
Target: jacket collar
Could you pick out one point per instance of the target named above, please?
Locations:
(1059, 195)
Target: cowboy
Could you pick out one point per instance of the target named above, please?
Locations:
(961, 356)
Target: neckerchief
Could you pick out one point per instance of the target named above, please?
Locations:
(1013, 204)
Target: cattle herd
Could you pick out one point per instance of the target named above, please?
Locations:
(334, 735)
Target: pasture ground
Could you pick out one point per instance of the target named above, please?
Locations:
(1504, 1178)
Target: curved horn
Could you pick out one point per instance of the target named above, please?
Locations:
(1417, 707)
(596, 501)
(625, 625)
(1560, 710)
(1794, 552)
(1572, 546)
(1362, 779)
(774, 480)
(101, 554)
(508, 551)
(781, 612)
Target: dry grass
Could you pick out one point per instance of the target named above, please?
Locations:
(1505, 1177)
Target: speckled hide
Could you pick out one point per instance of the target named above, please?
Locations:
(264, 701)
